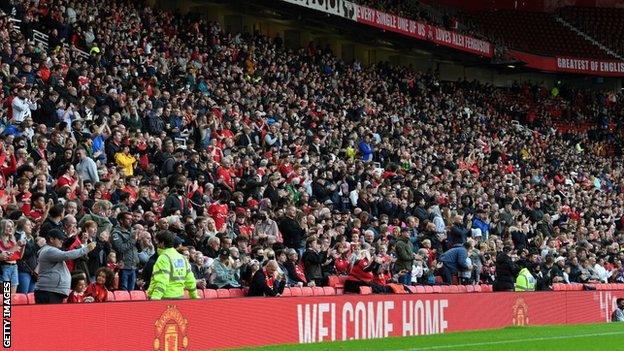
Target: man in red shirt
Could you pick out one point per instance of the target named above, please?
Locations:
(219, 211)
(225, 175)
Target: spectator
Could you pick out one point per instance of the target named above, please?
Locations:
(267, 281)
(12, 250)
(618, 311)
(455, 260)
(98, 290)
(54, 279)
(404, 257)
(226, 271)
(27, 264)
(125, 244)
(506, 271)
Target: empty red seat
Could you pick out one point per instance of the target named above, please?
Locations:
(462, 288)
(470, 288)
(574, 287)
(428, 289)
(237, 293)
(558, 286)
(31, 298)
(486, 288)
(200, 293)
(19, 299)
(121, 295)
(411, 288)
(286, 292)
(329, 291)
(318, 291)
(223, 293)
(295, 291)
(437, 289)
(307, 291)
(420, 289)
(365, 290)
(111, 296)
(138, 295)
(210, 294)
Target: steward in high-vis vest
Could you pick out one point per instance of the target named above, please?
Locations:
(525, 281)
(172, 271)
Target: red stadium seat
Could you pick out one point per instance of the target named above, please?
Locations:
(121, 295)
(186, 295)
(200, 293)
(237, 293)
(470, 288)
(445, 289)
(420, 289)
(477, 288)
(19, 299)
(574, 287)
(286, 292)
(223, 293)
(428, 289)
(619, 286)
(411, 288)
(558, 286)
(295, 291)
(437, 289)
(306, 291)
(31, 298)
(329, 291)
(111, 296)
(462, 288)
(365, 290)
(210, 294)
(486, 288)
(138, 295)
(339, 290)
(318, 291)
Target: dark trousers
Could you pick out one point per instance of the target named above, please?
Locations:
(447, 275)
(48, 297)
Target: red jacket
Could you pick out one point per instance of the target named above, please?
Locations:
(362, 271)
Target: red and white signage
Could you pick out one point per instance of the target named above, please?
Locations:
(217, 323)
(423, 31)
(603, 68)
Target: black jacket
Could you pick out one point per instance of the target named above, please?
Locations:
(506, 272)
(291, 232)
(312, 262)
(259, 287)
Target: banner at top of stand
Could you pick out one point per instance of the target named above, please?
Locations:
(400, 25)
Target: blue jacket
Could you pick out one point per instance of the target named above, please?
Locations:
(366, 150)
(478, 223)
(455, 258)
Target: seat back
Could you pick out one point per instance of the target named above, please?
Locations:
(318, 291)
(19, 299)
(365, 290)
(307, 291)
(237, 293)
(110, 296)
(223, 293)
(286, 292)
(121, 295)
(31, 298)
(295, 291)
(138, 295)
(210, 294)
(329, 290)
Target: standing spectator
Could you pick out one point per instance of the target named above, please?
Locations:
(28, 263)
(12, 250)
(506, 271)
(313, 261)
(125, 243)
(291, 230)
(23, 105)
(54, 278)
(86, 168)
(404, 257)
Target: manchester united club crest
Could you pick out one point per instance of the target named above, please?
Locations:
(171, 331)
(520, 313)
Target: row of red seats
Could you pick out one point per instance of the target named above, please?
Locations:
(439, 289)
(579, 287)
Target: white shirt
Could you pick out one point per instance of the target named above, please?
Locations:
(22, 109)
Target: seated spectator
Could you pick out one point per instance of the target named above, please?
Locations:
(363, 274)
(267, 281)
(78, 287)
(103, 283)
(225, 271)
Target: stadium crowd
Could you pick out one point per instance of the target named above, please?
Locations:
(286, 164)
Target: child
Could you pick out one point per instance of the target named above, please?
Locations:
(78, 285)
(114, 267)
(103, 282)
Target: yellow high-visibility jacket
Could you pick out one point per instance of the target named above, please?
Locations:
(171, 275)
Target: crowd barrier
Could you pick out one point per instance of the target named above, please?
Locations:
(209, 324)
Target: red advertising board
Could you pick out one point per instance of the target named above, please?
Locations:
(423, 31)
(228, 323)
(605, 68)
